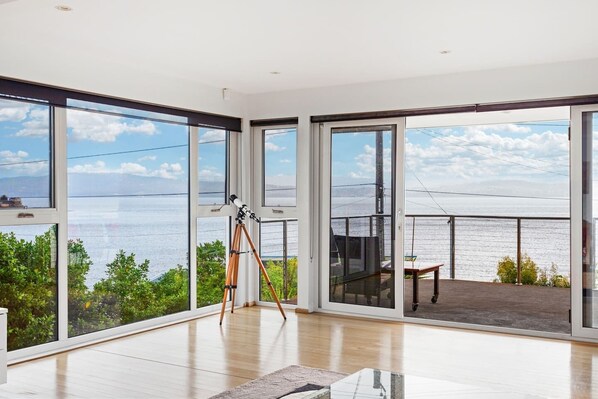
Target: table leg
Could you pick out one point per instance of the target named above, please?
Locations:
(436, 286)
(415, 292)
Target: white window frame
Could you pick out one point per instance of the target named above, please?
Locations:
(324, 198)
(210, 211)
(258, 159)
(58, 215)
(576, 198)
(258, 198)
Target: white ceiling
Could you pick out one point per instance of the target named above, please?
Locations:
(237, 43)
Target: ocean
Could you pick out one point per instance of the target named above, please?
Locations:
(155, 228)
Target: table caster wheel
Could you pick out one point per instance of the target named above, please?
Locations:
(435, 299)
(414, 306)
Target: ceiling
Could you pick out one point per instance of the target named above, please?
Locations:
(238, 43)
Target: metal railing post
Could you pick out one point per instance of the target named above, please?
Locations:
(518, 251)
(452, 223)
(285, 262)
(346, 254)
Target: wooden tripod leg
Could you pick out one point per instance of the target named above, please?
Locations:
(235, 275)
(234, 256)
(263, 270)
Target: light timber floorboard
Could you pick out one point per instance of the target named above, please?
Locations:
(199, 358)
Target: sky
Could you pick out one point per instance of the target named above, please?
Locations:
(523, 155)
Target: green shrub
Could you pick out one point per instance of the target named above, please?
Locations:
(531, 274)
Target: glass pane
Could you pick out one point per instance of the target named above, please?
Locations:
(25, 154)
(128, 220)
(122, 111)
(590, 215)
(278, 250)
(280, 167)
(488, 205)
(213, 237)
(212, 163)
(28, 284)
(361, 242)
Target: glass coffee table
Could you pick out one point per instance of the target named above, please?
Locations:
(372, 383)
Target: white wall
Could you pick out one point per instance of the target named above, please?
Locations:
(500, 85)
(133, 84)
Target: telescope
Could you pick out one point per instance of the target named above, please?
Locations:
(243, 209)
(232, 272)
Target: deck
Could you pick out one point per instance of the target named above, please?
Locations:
(526, 307)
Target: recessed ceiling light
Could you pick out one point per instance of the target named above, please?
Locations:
(274, 73)
(445, 51)
(63, 8)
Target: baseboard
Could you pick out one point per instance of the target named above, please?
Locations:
(302, 311)
(248, 304)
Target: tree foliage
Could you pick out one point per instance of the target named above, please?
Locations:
(125, 295)
(211, 273)
(284, 284)
(28, 288)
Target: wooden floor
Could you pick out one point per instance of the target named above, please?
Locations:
(198, 359)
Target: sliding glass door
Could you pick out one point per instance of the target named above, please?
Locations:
(584, 218)
(362, 201)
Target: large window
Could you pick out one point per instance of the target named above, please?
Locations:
(25, 155)
(128, 220)
(101, 200)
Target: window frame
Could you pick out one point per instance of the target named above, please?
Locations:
(42, 215)
(258, 197)
(57, 215)
(258, 170)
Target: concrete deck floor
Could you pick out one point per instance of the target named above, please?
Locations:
(493, 304)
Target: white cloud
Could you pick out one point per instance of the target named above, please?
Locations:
(168, 171)
(37, 126)
(478, 153)
(97, 167)
(366, 162)
(147, 158)
(268, 146)
(17, 162)
(132, 168)
(165, 171)
(13, 111)
(285, 161)
(210, 174)
(103, 128)
(213, 135)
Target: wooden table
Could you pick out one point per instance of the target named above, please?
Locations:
(411, 270)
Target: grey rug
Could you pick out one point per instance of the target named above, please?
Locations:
(282, 382)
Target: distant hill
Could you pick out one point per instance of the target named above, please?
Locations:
(83, 184)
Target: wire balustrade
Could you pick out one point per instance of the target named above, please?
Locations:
(470, 246)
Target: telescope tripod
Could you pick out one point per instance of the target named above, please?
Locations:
(233, 268)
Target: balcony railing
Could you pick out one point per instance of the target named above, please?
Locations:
(471, 245)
